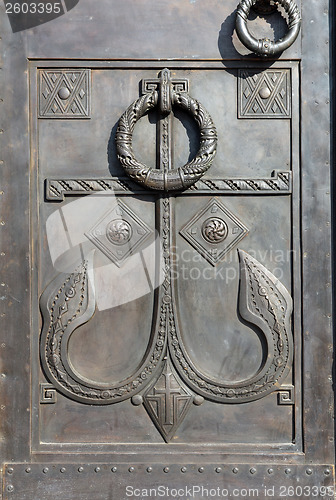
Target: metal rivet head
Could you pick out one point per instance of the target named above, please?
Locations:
(198, 400)
(28, 470)
(10, 487)
(80, 469)
(63, 93)
(183, 469)
(309, 472)
(264, 92)
(327, 472)
(218, 469)
(288, 471)
(235, 470)
(270, 471)
(45, 470)
(149, 469)
(253, 470)
(10, 470)
(62, 470)
(97, 469)
(137, 400)
(166, 469)
(131, 469)
(201, 469)
(114, 469)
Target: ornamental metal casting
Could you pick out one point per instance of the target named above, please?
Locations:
(64, 94)
(265, 47)
(166, 381)
(214, 231)
(279, 183)
(265, 94)
(166, 93)
(168, 401)
(119, 233)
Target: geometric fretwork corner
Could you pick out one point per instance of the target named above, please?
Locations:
(286, 395)
(48, 394)
(265, 94)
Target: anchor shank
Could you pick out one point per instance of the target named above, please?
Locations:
(164, 143)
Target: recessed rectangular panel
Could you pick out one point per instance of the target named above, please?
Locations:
(110, 296)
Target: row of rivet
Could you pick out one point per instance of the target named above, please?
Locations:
(2, 223)
(184, 469)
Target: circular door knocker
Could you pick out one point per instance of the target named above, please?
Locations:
(265, 47)
(166, 93)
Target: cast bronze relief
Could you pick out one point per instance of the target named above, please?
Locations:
(265, 47)
(168, 381)
(166, 93)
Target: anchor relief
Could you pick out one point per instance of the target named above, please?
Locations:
(167, 381)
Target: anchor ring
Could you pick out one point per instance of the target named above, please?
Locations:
(263, 46)
(174, 179)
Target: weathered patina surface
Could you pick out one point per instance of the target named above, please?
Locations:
(165, 252)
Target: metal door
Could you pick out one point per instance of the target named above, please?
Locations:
(165, 250)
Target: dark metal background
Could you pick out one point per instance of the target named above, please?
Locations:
(122, 44)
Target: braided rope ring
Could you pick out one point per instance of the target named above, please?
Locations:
(264, 47)
(174, 179)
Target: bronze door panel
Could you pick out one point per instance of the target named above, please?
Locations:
(171, 326)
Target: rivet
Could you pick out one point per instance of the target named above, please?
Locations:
(327, 472)
(198, 400)
(270, 471)
(45, 470)
(62, 469)
(10, 471)
(253, 470)
(10, 487)
(183, 469)
(264, 92)
(288, 471)
(149, 469)
(137, 400)
(80, 469)
(201, 469)
(64, 93)
(97, 469)
(309, 472)
(235, 470)
(166, 469)
(114, 469)
(131, 469)
(28, 470)
(218, 469)
(2, 222)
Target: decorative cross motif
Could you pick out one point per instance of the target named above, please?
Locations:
(168, 401)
